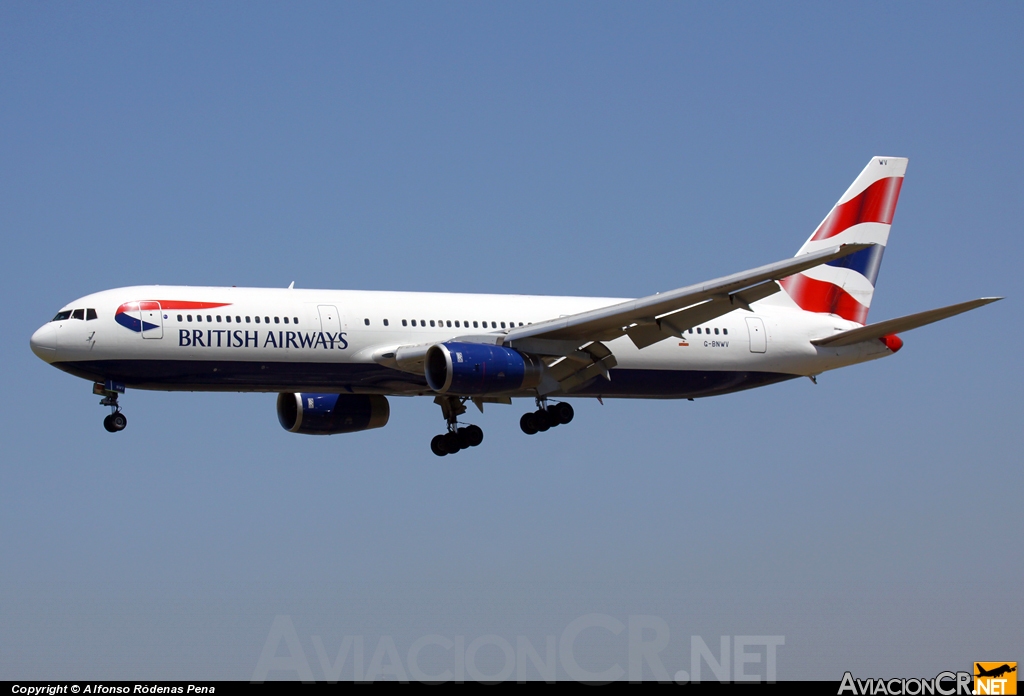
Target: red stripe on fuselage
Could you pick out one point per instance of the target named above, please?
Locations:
(876, 203)
(169, 304)
(818, 296)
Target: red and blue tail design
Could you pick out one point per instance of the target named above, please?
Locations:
(863, 215)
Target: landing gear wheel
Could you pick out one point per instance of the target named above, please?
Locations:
(475, 435)
(437, 446)
(108, 425)
(563, 412)
(543, 422)
(528, 423)
(463, 437)
(118, 421)
(451, 442)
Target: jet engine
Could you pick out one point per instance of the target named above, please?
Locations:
(471, 369)
(330, 414)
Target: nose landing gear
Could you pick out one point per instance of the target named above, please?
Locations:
(457, 438)
(546, 417)
(116, 421)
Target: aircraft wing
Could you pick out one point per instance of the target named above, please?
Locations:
(656, 317)
(891, 326)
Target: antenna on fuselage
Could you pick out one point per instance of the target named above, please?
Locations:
(291, 285)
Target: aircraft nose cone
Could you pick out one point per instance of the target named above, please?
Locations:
(44, 342)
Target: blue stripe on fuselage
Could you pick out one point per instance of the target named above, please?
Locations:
(244, 376)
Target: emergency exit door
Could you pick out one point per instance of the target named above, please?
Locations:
(758, 339)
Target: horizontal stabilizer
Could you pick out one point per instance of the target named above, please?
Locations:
(891, 326)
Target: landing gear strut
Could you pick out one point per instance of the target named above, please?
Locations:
(546, 417)
(457, 438)
(116, 421)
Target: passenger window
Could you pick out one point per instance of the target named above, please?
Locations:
(277, 320)
(179, 317)
(90, 314)
(228, 318)
(494, 324)
(503, 325)
(385, 322)
(238, 319)
(366, 321)
(403, 323)
(218, 318)
(209, 318)
(716, 332)
(286, 320)
(295, 320)
(725, 331)
(199, 317)
(475, 325)
(449, 323)
(266, 320)
(257, 320)
(247, 319)
(189, 317)
(431, 322)
(698, 329)
(61, 316)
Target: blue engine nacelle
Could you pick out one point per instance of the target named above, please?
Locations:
(472, 369)
(329, 414)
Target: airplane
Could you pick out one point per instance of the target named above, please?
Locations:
(996, 671)
(335, 356)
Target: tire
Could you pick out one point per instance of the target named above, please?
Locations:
(475, 434)
(108, 424)
(528, 423)
(543, 423)
(563, 412)
(437, 446)
(464, 440)
(118, 421)
(451, 442)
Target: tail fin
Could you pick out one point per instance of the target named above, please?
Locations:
(863, 215)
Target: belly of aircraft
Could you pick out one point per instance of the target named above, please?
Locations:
(242, 376)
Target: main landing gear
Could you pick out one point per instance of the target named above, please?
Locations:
(546, 417)
(116, 421)
(457, 438)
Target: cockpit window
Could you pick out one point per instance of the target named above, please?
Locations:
(90, 314)
(78, 314)
(61, 316)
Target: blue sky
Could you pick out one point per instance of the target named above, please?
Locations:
(588, 149)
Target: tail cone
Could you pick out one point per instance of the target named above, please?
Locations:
(892, 342)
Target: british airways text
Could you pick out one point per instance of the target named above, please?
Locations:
(221, 338)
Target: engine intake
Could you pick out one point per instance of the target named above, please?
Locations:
(471, 369)
(330, 414)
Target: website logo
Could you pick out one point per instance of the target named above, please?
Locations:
(995, 678)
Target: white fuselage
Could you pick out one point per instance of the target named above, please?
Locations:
(256, 339)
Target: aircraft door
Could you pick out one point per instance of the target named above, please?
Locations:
(758, 339)
(152, 318)
(330, 320)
